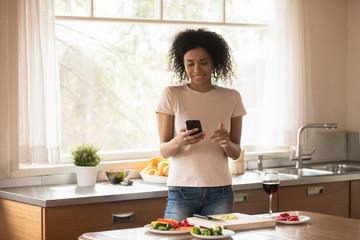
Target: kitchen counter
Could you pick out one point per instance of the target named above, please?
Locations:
(320, 226)
(71, 194)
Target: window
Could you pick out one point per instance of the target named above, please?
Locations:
(113, 64)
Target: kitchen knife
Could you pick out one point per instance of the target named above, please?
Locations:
(206, 217)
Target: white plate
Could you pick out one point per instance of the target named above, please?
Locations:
(153, 178)
(226, 234)
(302, 219)
(165, 232)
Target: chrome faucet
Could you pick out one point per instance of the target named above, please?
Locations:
(299, 154)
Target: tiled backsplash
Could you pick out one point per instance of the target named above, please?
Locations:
(330, 147)
(353, 146)
(336, 146)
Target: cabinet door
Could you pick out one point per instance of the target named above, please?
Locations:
(328, 198)
(254, 201)
(19, 220)
(355, 200)
(69, 222)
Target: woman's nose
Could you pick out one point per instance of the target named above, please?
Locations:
(197, 67)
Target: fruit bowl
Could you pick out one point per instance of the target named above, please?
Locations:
(116, 175)
(153, 178)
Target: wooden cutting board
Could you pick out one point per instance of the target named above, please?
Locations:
(243, 222)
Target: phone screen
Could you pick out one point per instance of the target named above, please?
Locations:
(191, 124)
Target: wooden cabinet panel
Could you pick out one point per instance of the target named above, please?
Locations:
(20, 221)
(69, 222)
(328, 198)
(254, 201)
(355, 199)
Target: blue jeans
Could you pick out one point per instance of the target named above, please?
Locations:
(183, 202)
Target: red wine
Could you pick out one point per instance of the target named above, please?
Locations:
(270, 187)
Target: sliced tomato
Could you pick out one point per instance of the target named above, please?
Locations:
(293, 218)
(184, 223)
(281, 219)
(284, 215)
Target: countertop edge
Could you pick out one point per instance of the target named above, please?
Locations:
(144, 191)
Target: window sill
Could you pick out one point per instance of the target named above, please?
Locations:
(44, 170)
(133, 164)
(65, 173)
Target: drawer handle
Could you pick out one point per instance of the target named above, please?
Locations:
(241, 197)
(123, 217)
(319, 190)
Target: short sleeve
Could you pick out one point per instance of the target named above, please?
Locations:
(239, 109)
(165, 104)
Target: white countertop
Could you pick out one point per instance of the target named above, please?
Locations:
(71, 194)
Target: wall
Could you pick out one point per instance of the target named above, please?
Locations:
(353, 88)
(334, 54)
(8, 85)
(4, 86)
(327, 56)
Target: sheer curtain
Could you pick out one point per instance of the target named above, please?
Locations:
(39, 102)
(285, 85)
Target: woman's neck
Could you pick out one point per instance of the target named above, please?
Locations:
(201, 88)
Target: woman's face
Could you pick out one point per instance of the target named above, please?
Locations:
(198, 66)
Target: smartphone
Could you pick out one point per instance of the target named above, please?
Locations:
(191, 124)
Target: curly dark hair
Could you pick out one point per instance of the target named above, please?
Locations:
(212, 43)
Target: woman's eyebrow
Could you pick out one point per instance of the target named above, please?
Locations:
(191, 60)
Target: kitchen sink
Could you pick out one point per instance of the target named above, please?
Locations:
(321, 169)
(338, 168)
(303, 172)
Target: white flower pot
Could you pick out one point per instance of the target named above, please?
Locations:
(86, 176)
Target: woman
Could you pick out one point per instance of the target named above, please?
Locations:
(199, 179)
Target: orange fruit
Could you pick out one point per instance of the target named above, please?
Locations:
(151, 171)
(161, 167)
(158, 173)
(166, 171)
(145, 169)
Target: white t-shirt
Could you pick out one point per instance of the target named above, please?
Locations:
(203, 164)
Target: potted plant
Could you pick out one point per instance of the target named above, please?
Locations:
(86, 159)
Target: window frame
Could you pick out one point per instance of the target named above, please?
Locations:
(134, 161)
(131, 155)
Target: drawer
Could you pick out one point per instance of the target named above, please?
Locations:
(328, 198)
(254, 201)
(69, 222)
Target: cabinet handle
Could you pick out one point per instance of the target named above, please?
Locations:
(123, 217)
(318, 190)
(240, 197)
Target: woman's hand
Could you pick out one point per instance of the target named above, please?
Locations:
(184, 138)
(221, 136)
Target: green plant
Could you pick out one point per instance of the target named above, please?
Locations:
(85, 155)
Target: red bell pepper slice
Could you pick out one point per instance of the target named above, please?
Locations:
(169, 221)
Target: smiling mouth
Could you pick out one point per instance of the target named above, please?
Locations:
(198, 76)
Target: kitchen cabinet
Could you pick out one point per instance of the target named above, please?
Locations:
(355, 199)
(25, 221)
(329, 198)
(254, 201)
(20, 220)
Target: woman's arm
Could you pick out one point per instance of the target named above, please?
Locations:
(230, 142)
(170, 145)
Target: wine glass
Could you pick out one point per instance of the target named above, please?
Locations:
(270, 182)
